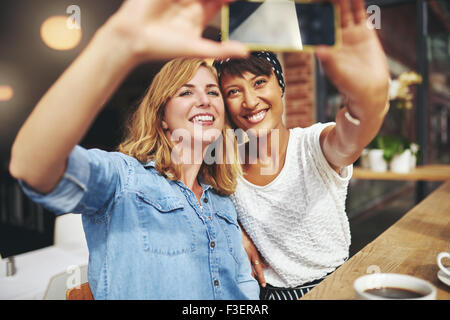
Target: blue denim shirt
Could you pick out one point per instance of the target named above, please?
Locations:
(148, 237)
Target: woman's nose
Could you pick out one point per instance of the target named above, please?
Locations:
(204, 101)
(251, 100)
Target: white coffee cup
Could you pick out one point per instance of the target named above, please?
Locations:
(373, 287)
(439, 258)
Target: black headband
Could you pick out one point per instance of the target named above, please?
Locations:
(269, 56)
(276, 66)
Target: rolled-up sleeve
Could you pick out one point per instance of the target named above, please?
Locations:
(91, 179)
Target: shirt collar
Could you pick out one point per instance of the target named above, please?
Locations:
(148, 164)
(205, 186)
(151, 164)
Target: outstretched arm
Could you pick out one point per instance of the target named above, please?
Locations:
(359, 70)
(139, 31)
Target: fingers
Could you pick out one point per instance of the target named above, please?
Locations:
(359, 11)
(352, 12)
(213, 7)
(323, 53)
(199, 48)
(255, 259)
(346, 13)
(258, 267)
(212, 49)
(327, 58)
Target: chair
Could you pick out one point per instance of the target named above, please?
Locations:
(69, 231)
(81, 293)
(60, 283)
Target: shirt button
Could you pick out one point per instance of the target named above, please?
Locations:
(205, 200)
(216, 283)
(212, 244)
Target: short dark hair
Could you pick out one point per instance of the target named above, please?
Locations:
(236, 67)
(258, 63)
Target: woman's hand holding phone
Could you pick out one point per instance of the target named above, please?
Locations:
(359, 70)
(165, 29)
(359, 67)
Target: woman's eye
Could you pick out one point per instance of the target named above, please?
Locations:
(232, 92)
(260, 82)
(185, 93)
(214, 93)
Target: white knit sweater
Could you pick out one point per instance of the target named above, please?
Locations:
(298, 221)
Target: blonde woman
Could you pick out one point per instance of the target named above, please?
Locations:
(158, 222)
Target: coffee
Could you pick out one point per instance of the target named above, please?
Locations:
(394, 293)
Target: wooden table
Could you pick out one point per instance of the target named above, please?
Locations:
(430, 172)
(410, 246)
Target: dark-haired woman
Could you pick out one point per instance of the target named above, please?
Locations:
(291, 199)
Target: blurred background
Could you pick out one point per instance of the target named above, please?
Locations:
(414, 34)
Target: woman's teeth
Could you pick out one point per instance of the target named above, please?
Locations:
(257, 117)
(203, 118)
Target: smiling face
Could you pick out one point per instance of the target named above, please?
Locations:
(197, 108)
(253, 101)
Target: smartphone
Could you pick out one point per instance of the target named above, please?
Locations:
(281, 25)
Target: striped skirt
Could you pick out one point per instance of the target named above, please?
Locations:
(276, 293)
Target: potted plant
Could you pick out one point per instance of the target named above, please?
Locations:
(401, 163)
(415, 153)
(395, 153)
(373, 157)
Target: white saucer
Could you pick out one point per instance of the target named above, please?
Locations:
(443, 277)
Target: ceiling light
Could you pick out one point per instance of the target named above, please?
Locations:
(6, 93)
(57, 33)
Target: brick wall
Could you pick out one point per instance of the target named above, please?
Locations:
(299, 97)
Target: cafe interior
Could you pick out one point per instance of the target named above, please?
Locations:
(398, 201)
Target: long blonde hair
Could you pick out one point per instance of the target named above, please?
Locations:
(146, 139)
